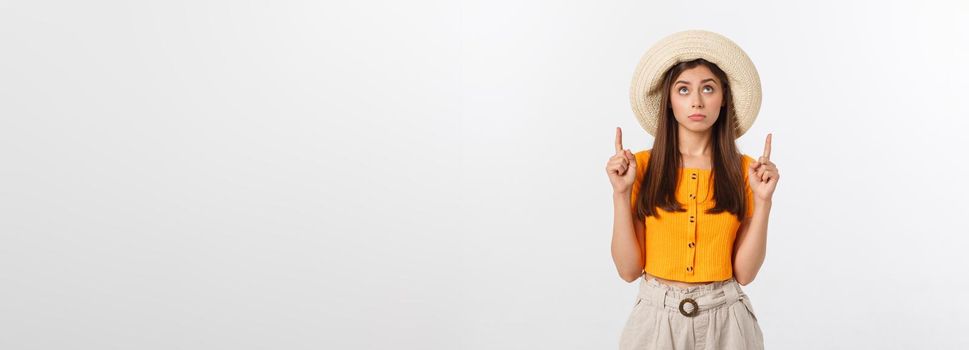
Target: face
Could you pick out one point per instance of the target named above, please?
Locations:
(696, 91)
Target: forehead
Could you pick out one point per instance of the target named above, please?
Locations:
(696, 74)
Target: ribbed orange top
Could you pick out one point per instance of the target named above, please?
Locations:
(691, 246)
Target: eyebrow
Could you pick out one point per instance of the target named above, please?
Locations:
(701, 82)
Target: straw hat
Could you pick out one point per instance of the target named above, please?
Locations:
(685, 46)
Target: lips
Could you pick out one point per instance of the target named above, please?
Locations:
(697, 117)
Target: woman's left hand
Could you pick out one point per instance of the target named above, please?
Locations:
(763, 175)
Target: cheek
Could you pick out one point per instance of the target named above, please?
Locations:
(679, 102)
(718, 100)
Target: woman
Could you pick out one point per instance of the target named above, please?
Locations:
(691, 212)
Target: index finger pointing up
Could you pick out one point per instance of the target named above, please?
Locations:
(618, 140)
(767, 147)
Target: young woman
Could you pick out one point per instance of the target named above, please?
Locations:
(691, 212)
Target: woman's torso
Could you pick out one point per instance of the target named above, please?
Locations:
(674, 283)
(719, 229)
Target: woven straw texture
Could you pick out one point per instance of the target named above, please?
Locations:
(688, 45)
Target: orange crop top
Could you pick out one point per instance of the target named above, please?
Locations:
(690, 246)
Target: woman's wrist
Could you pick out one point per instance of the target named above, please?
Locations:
(763, 203)
(621, 195)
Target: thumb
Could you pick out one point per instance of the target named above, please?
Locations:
(630, 156)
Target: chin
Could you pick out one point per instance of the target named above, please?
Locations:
(700, 130)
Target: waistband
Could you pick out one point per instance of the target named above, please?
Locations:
(693, 300)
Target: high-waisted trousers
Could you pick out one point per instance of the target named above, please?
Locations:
(715, 316)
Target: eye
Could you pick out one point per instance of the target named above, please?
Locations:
(681, 90)
(708, 86)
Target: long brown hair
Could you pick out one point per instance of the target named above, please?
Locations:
(658, 185)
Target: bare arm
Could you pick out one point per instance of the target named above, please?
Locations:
(750, 247)
(627, 239)
(622, 169)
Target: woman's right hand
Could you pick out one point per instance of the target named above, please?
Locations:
(621, 167)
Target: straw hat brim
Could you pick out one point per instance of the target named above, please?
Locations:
(685, 46)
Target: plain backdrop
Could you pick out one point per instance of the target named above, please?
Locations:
(431, 175)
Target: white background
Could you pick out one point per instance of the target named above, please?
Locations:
(421, 175)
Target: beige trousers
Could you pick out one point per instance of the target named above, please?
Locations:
(715, 316)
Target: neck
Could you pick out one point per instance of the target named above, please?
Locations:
(693, 143)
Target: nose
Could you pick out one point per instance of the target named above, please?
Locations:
(697, 101)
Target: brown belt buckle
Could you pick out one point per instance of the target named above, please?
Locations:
(696, 308)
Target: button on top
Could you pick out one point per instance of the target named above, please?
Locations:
(689, 268)
(691, 245)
